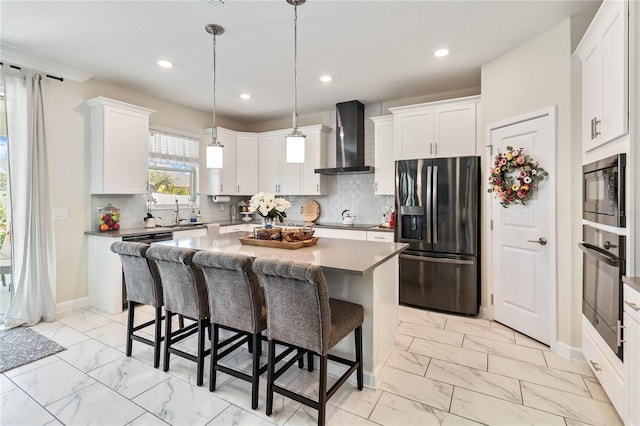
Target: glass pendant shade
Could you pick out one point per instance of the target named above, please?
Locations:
(295, 147)
(214, 156)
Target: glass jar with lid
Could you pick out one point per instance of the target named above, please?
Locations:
(108, 218)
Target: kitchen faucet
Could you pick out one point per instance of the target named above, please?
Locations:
(177, 210)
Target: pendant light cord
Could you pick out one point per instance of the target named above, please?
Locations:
(295, 67)
(214, 129)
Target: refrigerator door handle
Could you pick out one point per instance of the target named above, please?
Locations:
(436, 259)
(434, 220)
(427, 222)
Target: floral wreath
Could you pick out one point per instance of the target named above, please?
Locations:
(514, 176)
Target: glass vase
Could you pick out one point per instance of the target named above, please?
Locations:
(267, 222)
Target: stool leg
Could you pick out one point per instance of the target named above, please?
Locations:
(214, 359)
(180, 321)
(255, 374)
(322, 391)
(167, 339)
(202, 326)
(130, 311)
(309, 361)
(301, 359)
(359, 371)
(270, 367)
(157, 338)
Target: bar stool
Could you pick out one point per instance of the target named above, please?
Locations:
(143, 287)
(236, 303)
(302, 314)
(185, 293)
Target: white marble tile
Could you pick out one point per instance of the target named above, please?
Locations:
(494, 411)
(561, 363)
(396, 410)
(83, 320)
(128, 376)
(177, 402)
(408, 361)
(569, 405)
(466, 318)
(52, 382)
(571, 422)
(430, 333)
(449, 353)
(475, 329)
(31, 366)
(236, 416)
(595, 389)
(147, 419)
(17, 408)
(477, 380)
(64, 335)
(538, 374)
(95, 404)
(426, 391)
(403, 342)
(507, 350)
(54, 423)
(496, 324)
(41, 326)
(6, 384)
(358, 402)
(333, 416)
(420, 317)
(527, 341)
(89, 354)
(113, 334)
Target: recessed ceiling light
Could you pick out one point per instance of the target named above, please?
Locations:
(441, 52)
(245, 96)
(164, 63)
(325, 78)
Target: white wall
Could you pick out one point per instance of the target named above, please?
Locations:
(535, 75)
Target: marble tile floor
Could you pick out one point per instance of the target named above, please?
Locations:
(444, 370)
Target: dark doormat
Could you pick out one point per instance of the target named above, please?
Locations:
(21, 345)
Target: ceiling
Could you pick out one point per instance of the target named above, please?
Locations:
(375, 50)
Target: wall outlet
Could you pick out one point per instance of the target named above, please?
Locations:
(60, 213)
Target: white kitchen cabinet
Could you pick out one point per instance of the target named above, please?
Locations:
(189, 233)
(105, 274)
(315, 158)
(244, 227)
(607, 368)
(605, 90)
(247, 163)
(631, 356)
(384, 167)
(436, 129)
(275, 175)
(119, 147)
(347, 234)
(380, 236)
(224, 181)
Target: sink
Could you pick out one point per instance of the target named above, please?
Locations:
(183, 225)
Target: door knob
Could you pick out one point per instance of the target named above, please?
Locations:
(542, 241)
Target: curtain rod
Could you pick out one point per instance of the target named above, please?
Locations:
(15, 67)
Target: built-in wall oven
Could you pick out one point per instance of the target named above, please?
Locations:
(603, 267)
(603, 191)
(152, 237)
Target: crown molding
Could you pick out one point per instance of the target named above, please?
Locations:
(18, 57)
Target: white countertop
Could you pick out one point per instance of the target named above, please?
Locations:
(348, 256)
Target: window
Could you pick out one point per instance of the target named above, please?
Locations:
(173, 168)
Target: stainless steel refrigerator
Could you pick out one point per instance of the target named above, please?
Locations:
(438, 214)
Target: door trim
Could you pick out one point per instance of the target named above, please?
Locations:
(490, 206)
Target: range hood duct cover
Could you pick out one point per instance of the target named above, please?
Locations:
(349, 140)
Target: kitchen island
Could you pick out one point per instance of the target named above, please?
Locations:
(362, 272)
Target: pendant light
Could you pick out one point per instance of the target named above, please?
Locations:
(296, 140)
(214, 147)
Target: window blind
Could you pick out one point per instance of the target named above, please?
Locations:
(173, 150)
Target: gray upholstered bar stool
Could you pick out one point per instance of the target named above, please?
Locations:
(236, 303)
(185, 293)
(300, 313)
(143, 287)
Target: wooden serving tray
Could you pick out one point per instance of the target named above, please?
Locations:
(278, 244)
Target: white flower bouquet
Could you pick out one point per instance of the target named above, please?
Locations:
(269, 207)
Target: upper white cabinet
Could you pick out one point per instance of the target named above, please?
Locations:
(436, 129)
(384, 155)
(119, 147)
(315, 150)
(605, 75)
(275, 175)
(247, 163)
(224, 181)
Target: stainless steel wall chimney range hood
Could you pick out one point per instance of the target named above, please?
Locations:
(349, 140)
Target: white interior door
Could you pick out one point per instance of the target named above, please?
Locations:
(523, 237)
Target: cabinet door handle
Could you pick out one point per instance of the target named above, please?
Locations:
(317, 187)
(596, 133)
(238, 189)
(619, 333)
(632, 305)
(435, 148)
(594, 365)
(592, 128)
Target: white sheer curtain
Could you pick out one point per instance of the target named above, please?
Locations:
(33, 239)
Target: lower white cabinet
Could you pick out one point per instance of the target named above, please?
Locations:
(189, 233)
(631, 356)
(105, 275)
(246, 227)
(384, 237)
(347, 234)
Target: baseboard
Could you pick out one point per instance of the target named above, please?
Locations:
(72, 304)
(485, 313)
(570, 352)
